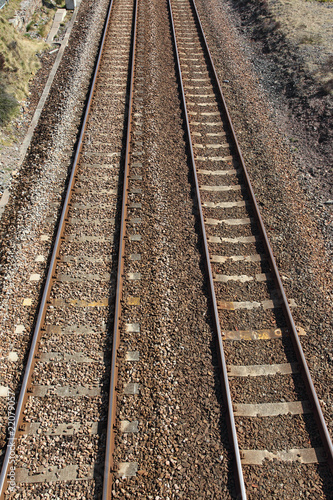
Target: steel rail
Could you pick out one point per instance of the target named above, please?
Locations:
(240, 485)
(318, 414)
(10, 449)
(108, 464)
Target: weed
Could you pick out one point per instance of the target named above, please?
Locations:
(18, 62)
(9, 107)
(41, 21)
(310, 39)
(44, 28)
(29, 26)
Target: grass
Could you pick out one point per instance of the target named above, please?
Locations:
(29, 26)
(44, 28)
(41, 22)
(8, 106)
(18, 63)
(10, 8)
(314, 39)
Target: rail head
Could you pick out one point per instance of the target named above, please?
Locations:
(108, 463)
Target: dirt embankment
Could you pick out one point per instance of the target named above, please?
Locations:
(297, 37)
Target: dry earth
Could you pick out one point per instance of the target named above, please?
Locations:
(290, 45)
(308, 25)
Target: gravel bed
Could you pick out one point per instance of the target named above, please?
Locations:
(255, 319)
(211, 180)
(268, 351)
(92, 228)
(273, 389)
(234, 212)
(85, 290)
(312, 479)
(181, 447)
(72, 374)
(85, 410)
(236, 249)
(237, 268)
(75, 268)
(70, 489)
(287, 431)
(89, 345)
(237, 231)
(62, 450)
(75, 316)
(222, 196)
(252, 291)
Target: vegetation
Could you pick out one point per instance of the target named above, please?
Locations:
(41, 22)
(18, 59)
(314, 39)
(18, 63)
(8, 106)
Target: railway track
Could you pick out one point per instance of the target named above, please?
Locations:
(77, 421)
(246, 289)
(64, 394)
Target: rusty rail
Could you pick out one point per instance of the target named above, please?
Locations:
(108, 465)
(240, 485)
(318, 414)
(327, 443)
(10, 449)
